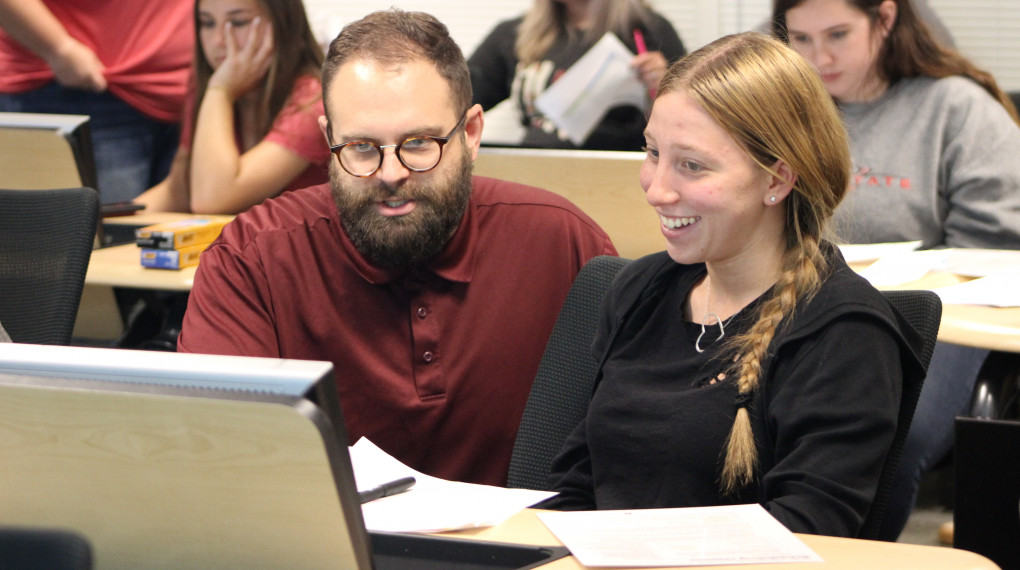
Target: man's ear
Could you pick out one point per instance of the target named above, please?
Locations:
(473, 129)
(781, 183)
(324, 127)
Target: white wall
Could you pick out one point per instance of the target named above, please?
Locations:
(987, 31)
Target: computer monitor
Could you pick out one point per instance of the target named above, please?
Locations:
(167, 460)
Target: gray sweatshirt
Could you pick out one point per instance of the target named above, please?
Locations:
(936, 160)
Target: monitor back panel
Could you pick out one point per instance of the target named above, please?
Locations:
(167, 481)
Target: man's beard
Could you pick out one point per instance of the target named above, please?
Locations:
(409, 240)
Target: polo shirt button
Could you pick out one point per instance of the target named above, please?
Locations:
(422, 312)
(427, 356)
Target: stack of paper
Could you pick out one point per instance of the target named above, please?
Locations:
(432, 504)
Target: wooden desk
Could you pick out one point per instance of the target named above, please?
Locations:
(994, 328)
(121, 266)
(838, 553)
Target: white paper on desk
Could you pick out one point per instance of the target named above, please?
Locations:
(859, 252)
(432, 504)
(600, 80)
(996, 290)
(900, 268)
(974, 262)
(700, 536)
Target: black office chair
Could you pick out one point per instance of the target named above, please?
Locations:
(559, 397)
(46, 239)
(923, 311)
(44, 549)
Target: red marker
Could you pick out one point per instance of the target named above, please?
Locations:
(639, 41)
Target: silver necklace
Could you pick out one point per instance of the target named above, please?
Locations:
(707, 321)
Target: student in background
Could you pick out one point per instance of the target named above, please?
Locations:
(747, 363)
(521, 57)
(403, 270)
(251, 127)
(935, 145)
(122, 62)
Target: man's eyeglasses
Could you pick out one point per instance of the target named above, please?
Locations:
(417, 154)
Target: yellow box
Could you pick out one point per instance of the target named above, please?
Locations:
(182, 233)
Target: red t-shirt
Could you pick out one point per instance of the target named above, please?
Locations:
(434, 366)
(146, 46)
(296, 128)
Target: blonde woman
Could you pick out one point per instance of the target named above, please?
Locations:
(747, 363)
(520, 58)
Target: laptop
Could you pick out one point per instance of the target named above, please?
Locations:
(166, 460)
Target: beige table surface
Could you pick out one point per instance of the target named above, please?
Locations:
(995, 328)
(838, 553)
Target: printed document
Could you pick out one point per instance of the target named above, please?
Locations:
(600, 80)
(432, 504)
(699, 536)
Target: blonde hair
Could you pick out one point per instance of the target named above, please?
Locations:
(545, 22)
(773, 103)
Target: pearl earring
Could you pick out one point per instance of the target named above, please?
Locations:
(772, 199)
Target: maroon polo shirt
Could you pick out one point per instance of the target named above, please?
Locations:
(435, 364)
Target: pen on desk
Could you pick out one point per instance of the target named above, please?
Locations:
(386, 489)
(639, 42)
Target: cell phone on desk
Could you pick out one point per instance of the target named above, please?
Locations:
(119, 209)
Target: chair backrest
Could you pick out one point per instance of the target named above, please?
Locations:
(559, 397)
(923, 310)
(604, 184)
(46, 239)
(52, 549)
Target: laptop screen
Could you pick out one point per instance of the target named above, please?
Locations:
(166, 460)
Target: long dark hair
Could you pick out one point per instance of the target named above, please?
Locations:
(910, 50)
(295, 53)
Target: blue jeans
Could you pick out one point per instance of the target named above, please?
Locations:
(133, 151)
(946, 394)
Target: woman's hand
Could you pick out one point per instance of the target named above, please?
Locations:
(651, 67)
(244, 67)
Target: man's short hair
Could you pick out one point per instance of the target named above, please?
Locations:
(393, 37)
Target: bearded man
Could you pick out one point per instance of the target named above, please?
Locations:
(432, 292)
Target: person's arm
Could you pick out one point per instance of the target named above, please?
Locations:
(831, 406)
(571, 472)
(229, 308)
(980, 173)
(571, 476)
(170, 195)
(33, 25)
(493, 65)
(222, 179)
